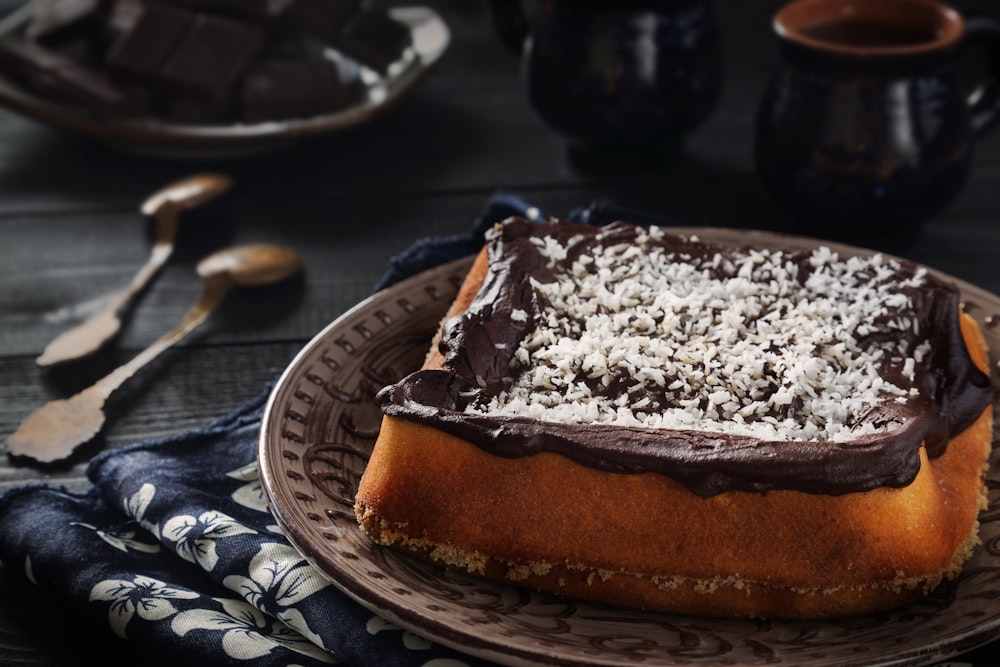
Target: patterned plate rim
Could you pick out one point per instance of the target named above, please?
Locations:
(316, 538)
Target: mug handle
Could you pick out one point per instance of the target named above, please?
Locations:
(984, 101)
(511, 23)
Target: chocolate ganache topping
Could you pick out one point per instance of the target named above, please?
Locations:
(631, 350)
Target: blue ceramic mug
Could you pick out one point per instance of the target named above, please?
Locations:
(624, 80)
(867, 119)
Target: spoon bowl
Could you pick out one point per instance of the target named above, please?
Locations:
(252, 265)
(56, 429)
(186, 193)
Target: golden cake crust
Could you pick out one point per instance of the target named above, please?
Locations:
(647, 541)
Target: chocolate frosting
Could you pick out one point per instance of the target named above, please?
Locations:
(953, 392)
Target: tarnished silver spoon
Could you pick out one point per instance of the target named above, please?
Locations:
(164, 206)
(57, 428)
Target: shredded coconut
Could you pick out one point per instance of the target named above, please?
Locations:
(735, 343)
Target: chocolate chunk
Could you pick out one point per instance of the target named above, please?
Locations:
(199, 110)
(374, 38)
(144, 49)
(212, 55)
(281, 89)
(323, 19)
(57, 76)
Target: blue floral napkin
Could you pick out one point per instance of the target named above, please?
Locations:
(175, 547)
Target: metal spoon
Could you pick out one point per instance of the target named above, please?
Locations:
(164, 206)
(57, 428)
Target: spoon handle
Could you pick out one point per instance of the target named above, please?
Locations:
(216, 288)
(57, 428)
(87, 337)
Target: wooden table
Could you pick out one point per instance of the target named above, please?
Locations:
(71, 233)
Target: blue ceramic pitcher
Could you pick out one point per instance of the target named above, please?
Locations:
(867, 124)
(623, 80)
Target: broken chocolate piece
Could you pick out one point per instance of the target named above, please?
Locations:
(144, 49)
(280, 89)
(212, 55)
(374, 38)
(60, 78)
(323, 19)
(200, 110)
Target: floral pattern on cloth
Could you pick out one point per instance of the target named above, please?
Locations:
(176, 547)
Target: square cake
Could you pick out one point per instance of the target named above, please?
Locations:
(635, 417)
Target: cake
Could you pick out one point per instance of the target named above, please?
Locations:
(633, 417)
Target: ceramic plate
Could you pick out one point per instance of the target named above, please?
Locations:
(173, 139)
(319, 428)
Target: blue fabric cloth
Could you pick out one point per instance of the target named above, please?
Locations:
(175, 548)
